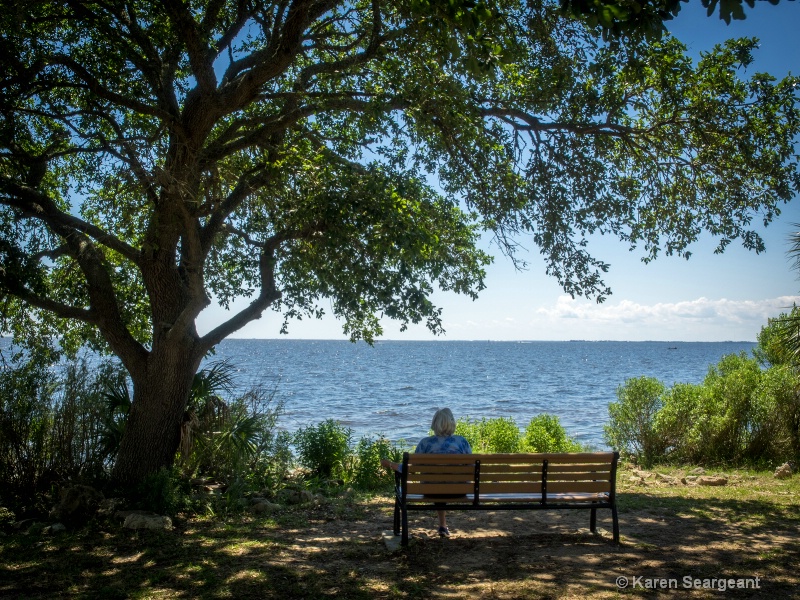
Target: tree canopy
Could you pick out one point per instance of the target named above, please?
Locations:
(157, 155)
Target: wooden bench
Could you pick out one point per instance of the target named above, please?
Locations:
(506, 482)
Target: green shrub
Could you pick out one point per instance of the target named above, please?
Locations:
(631, 426)
(499, 434)
(164, 492)
(724, 420)
(673, 423)
(51, 427)
(777, 340)
(368, 474)
(740, 415)
(234, 440)
(545, 433)
(778, 404)
(324, 448)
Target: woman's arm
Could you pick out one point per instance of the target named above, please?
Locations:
(391, 465)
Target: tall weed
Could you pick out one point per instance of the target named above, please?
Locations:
(51, 427)
(324, 448)
(367, 473)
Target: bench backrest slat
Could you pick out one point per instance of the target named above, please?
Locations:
(560, 487)
(554, 475)
(578, 468)
(458, 474)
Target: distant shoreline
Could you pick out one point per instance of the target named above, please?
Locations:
(285, 339)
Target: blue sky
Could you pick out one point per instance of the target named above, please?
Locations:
(707, 298)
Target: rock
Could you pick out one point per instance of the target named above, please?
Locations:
(7, 518)
(264, 508)
(783, 472)
(77, 505)
(23, 524)
(698, 471)
(54, 529)
(668, 479)
(109, 506)
(713, 481)
(293, 496)
(137, 520)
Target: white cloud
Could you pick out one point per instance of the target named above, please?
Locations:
(699, 312)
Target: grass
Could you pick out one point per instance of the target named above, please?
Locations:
(335, 550)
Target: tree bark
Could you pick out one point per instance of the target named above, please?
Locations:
(152, 431)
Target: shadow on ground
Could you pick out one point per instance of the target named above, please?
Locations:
(520, 554)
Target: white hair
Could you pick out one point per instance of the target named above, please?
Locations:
(444, 423)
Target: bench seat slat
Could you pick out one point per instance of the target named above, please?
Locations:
(440, 488)
(489, 477)
(441, 478)
(509, 488)
(577, 475)
(516, 497)
(428, 469)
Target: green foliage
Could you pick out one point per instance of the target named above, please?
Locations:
(499, 434)
(7, 518)
(324, 448)
(777, 340)
(165, 492)
(631, 419)
(674, 424)
(724, 418)
(151, 159)
(740, 415)
(778, 402)
(643, 18)
(367, 473)
(545, 433)
(233, 441)
(52, 427)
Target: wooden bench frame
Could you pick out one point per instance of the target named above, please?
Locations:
(542, 481)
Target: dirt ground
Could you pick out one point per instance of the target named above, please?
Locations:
(678, 541)
(698, 544)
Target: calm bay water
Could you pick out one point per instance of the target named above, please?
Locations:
(393, 388)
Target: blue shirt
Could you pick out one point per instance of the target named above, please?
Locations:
(451, 444)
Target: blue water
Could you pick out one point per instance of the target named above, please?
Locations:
(393, 388)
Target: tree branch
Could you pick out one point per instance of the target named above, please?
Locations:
(37, 205)
(269, 294)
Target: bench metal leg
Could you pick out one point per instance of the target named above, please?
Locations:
(593, 521)
(404, 527)
(396, 517)
(615, 523)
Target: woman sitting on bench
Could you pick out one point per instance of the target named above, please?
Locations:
(443, 442)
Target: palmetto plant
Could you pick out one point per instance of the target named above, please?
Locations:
(223, 438)
(790, 326)
(117, 399)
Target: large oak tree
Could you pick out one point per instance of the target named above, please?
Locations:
(156, 155)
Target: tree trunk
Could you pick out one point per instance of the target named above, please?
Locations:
(152, 431)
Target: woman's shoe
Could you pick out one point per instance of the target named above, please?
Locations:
(444, 532)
